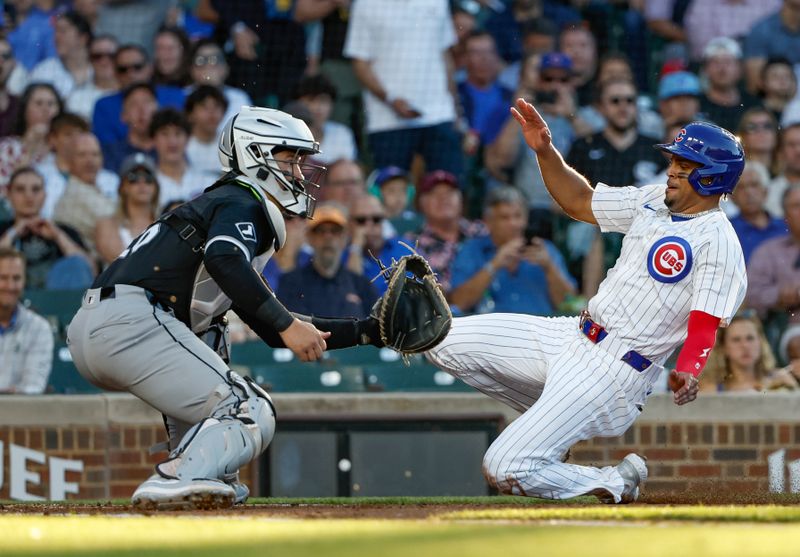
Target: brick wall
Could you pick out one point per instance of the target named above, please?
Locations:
(111, 434)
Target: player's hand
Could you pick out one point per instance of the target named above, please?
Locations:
(684, 385)
(305, 340)
(534, 129)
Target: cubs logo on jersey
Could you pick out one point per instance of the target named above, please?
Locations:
(669, 259)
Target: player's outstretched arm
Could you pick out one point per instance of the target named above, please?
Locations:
(570, 190)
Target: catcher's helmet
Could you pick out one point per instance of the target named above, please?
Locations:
(717, 149)
(248, 145)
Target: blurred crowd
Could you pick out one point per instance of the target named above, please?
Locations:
(110, 112)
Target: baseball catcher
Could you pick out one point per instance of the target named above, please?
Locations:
(153, 322)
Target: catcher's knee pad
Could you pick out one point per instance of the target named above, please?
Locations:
(239, 429)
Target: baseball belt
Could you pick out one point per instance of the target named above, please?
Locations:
(596, 333)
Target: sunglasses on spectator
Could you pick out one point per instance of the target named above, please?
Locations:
(375, 219)
(212, 60)
(95, 56)
(6, 56)
(621, 100)
(137, 67)
(554, 79)
(758, 126)
(140, 176)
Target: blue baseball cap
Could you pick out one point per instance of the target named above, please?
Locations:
(556, 61)
(676, 84)
(389, 173)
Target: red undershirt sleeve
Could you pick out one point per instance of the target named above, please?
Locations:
(702, 334)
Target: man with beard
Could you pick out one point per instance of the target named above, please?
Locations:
(324, 286)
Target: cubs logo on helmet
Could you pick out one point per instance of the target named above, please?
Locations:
(680, 136)
(669, 259)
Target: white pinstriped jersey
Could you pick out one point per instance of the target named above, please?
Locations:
(667, 268)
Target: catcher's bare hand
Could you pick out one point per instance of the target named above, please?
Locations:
(305, 340)
(684, 385)
(534, 129)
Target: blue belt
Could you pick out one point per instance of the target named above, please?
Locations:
(595, 333)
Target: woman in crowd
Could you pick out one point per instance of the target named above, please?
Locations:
(137, 208)
(171, 57)
(758, 130)
(742, 360)
(39, 105)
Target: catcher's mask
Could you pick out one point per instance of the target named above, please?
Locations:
(249, 145)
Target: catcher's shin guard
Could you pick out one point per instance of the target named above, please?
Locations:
(238, 430)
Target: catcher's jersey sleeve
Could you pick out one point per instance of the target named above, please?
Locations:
(614, 208)
(720, 279)
(243, 225)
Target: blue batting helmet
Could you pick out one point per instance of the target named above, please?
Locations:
(716, 149)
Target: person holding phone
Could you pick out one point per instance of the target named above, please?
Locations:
(508, 271)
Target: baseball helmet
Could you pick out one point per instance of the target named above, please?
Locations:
(716, 149)
(248, 145)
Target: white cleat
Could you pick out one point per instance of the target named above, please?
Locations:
(159, 493)
(633, 470)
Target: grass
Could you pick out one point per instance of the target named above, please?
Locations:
(526, 528)
(169, 536)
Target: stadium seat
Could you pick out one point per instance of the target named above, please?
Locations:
(57, 306)
(64, 378)
(418, 377)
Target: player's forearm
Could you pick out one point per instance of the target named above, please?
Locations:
(570, 190)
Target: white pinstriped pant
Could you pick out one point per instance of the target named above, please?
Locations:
(567, 388)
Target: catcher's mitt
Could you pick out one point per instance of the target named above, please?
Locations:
(412, 315)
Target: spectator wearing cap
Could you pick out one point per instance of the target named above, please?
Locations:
(55, 254)
(392, 185)
(368, 241)
(136, 209)
(509, 160)
(26, 339)
(54, 168)
(71, 68)
(169, 131)
(138, 107)
(318, 94)
(444, 227)
(205, 108)
(775, 35)
(132, 65)
(503, 272)
(722, 101)
(82, 203)
(679, 97)
(484, 100)
(324, 286)
(754, 224)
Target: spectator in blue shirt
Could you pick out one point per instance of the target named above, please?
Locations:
(775, 35)
(132, 66)
(367, 241)
(754, 224)
(484, 100)
(324, 286)
(506, 272)
(33, 39)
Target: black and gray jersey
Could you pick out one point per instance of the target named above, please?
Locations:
(160, 261)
